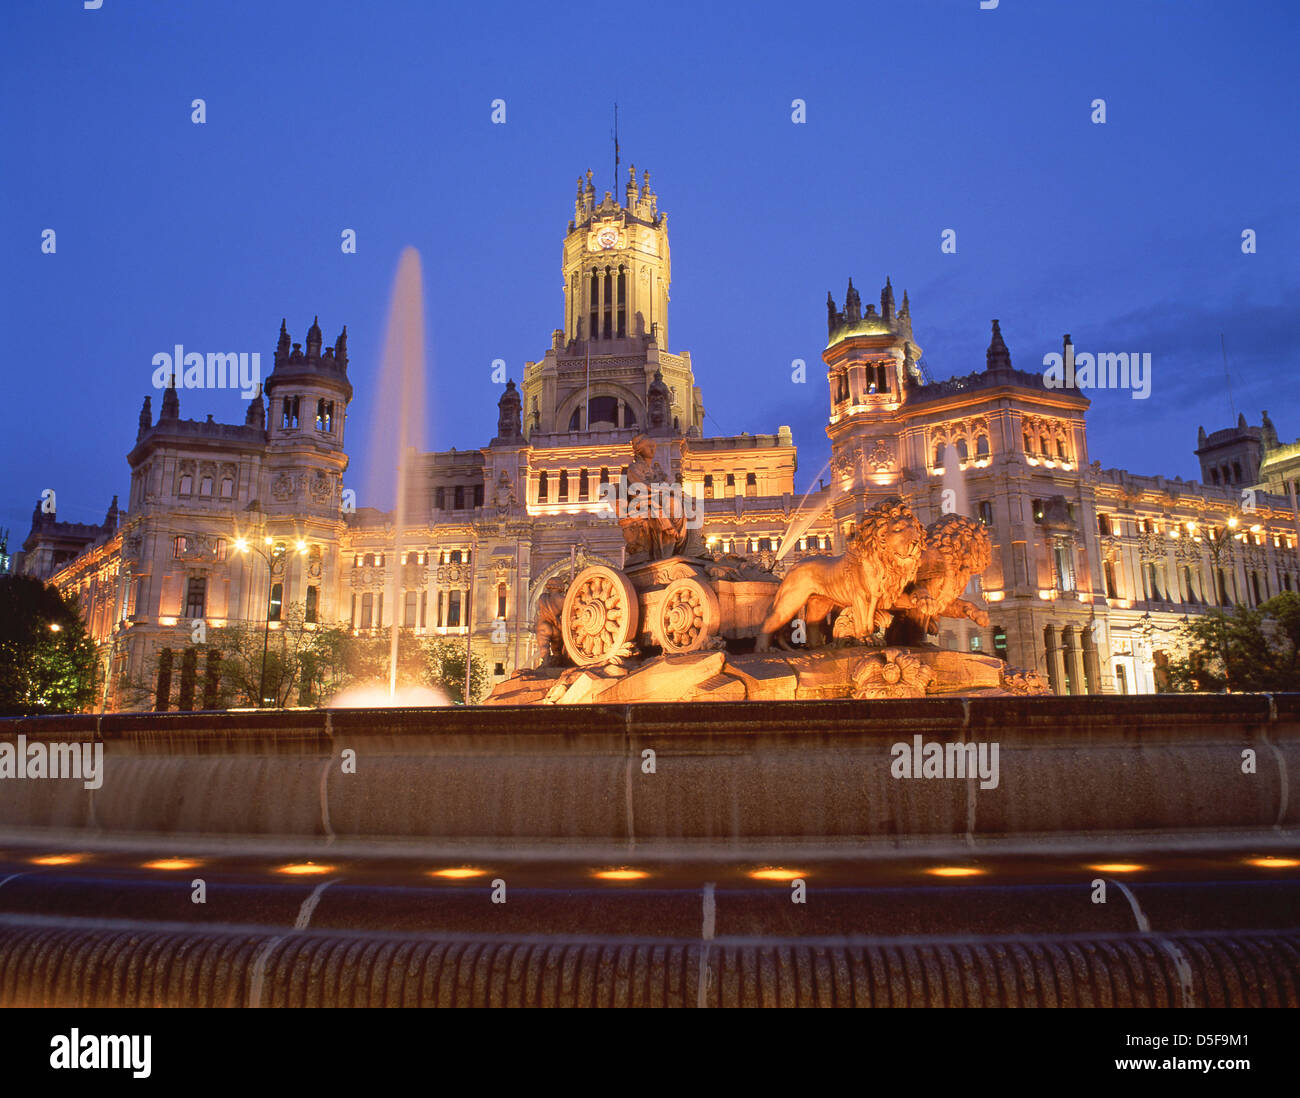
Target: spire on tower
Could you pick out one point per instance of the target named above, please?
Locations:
(146, 419)
(887, 300)
(852, 304)
(171, 403)
(997, 357)
(313, 340)
(906, 311)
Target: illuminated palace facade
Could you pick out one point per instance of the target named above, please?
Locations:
(1093, 569)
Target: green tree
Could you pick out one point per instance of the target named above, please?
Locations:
(1250, 649)
(47, 662)
(445, 669)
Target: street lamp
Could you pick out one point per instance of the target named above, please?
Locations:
(273, 553)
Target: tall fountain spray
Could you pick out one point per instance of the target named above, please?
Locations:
(398, 432)
(954, 481)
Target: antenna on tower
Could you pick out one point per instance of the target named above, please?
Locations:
(615, 190)
(1227, 377)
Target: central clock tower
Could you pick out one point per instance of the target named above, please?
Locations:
(609, 368)
(616, 266)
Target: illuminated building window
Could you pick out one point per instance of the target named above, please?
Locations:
(178, 548)
(986, 512)
(195, 596)
(277, 600)
(708, 486)
(219, 549)
(584, 485)
(982, 446)
(963, 451)
(289, 413)
(999, 642)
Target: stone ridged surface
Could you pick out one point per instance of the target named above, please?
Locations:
(62, 966)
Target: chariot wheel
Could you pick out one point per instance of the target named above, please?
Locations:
(600, 615)
(688, 616)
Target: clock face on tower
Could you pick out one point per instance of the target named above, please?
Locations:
(606, 237)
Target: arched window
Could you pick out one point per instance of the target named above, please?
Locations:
(205, 486)
(982, 446)
(575, 420)
(1029, 443)
(501, 600)
(622, 302)
(277, 598)
(227, 487)
(187, 484)
(1042, 446)
(963, 451)
(1236, 471)
(1214, 476)
(882, 378)
(603, 412)
(1060, 448)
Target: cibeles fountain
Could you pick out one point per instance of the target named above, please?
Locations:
(678, 623)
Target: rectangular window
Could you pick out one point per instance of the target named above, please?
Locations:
(986, 512)
(440, 499)
(277, 600)
(219, 549)
(313, 600)
(458, 498)
(453, 608)
(424, 606)
(178, 548)
(367, 609)
(478, 495)
(195, 594)
(353, 618)
(409, 610)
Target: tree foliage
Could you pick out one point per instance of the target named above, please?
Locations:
(1250, 649)
(47, 661)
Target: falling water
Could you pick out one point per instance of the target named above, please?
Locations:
(802, 520)
(398, 432)
(954, 481)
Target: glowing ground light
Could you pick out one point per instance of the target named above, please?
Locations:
(1273, 863)
(955, 871)
(173, 863)
(1117, 867)
(457, 873)
(304, 869)
(620, 874)
(57, 859)
(775, 873)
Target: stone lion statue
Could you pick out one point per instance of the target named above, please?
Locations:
(956, 548)
(550, 633)
(868, 580)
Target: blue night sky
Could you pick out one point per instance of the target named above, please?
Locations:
(921, 116)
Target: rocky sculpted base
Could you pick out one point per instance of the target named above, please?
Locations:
(859, 671)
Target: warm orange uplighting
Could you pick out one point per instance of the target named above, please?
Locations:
(304, 869)
(173, 863)
(1117, 867)
(459, 872)
(955, 871)
(620, 874)
(1273, 863)
(777, 874)
(58, 859)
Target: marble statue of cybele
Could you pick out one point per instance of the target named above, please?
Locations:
(652, 517)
